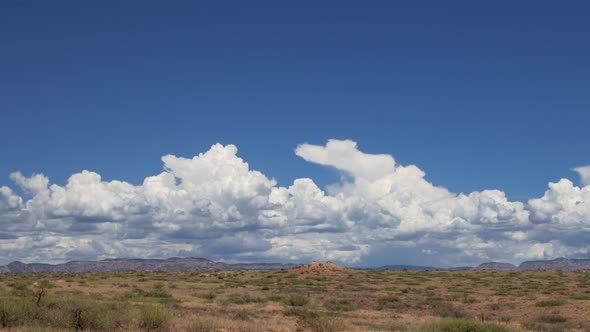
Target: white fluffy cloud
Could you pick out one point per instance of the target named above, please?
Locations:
(344, 156)
(584, 172)
(214, 205)
(8, 200)
(563, 204)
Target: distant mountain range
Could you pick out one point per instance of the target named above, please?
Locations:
(497, 266)
(196, 263)
(123, 264)
(407, 267)
(558, 264)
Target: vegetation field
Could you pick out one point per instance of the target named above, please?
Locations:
(297, 300)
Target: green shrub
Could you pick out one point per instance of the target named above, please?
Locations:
(207, 296)
(390, 302)
(152, 318)
(548, 323)
(21, 288)
(581, 297)
(203, 326)
(157, 291)
(295, 300)
(275, 297)
(16, 312)
(238, 298)
(395, 326)
(321, 323)
(462, 325)
(300, 312)
(241, 315)
(494, 306)
(585, 326)
(79, 314)
(339, 305)
(553, 319)
(448, 310)
(550, 303)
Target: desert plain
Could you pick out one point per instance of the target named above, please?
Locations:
(320, 297)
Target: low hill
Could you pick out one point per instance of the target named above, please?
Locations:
(319, 269)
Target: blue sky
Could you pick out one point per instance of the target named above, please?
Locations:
(477, 95)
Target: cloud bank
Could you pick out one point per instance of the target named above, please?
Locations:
(214, 205)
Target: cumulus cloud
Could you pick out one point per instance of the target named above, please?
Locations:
(33, 185)
(564, 204)
(562, 216)
(344, 156)
(584, 172)
(214, 205)
(8, 200)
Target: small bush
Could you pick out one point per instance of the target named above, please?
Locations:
(462, 325)
(585, 326)
(21, 288)
(552, 319)
(494, 306)
(390, 302)
(152, 318)
(399, 327)
(157, 291)
(203, 326)
(241, 315)
(295, 300)
(16, 312)
(448, 310)
(300, 312)
(339, 305)
(207, 296)
(275, 297)
(238, 298)
(321, 323)
(550, 303)
(73, 313)
(552, 322)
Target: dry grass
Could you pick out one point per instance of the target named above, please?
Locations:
(284, 300)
